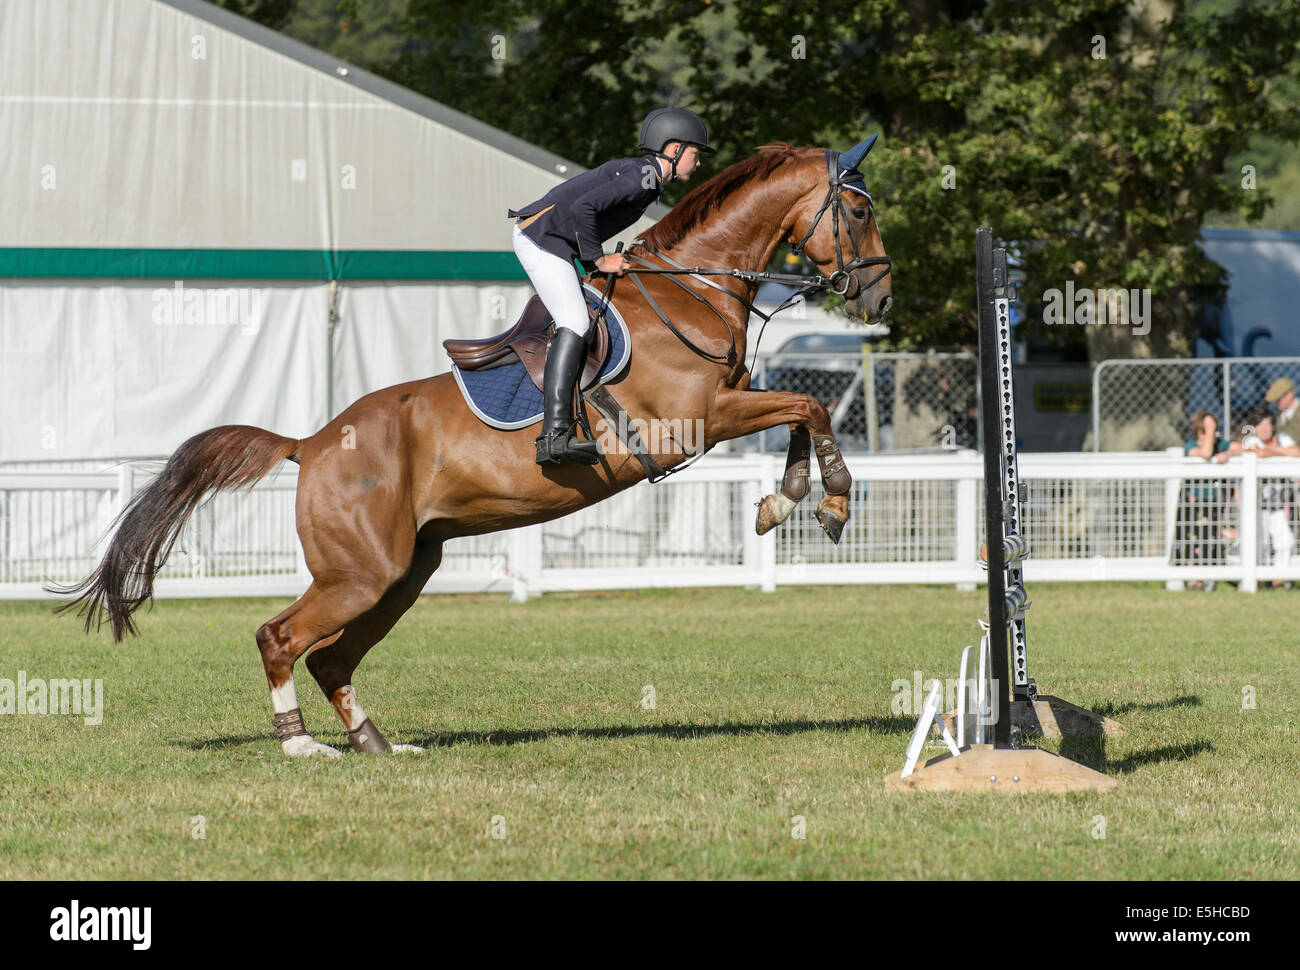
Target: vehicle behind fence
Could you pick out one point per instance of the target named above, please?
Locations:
(878, 402)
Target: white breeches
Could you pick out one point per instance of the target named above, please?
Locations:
(556, 282)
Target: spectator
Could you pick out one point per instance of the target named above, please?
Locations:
(1205, 441)
(1282, 393)
(1276, 496)
(1268, 441)
(1201, 527)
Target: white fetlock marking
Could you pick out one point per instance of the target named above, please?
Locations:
(284, 698)
(408, 747)
(783, 506)
(304, 746)
(352, 713)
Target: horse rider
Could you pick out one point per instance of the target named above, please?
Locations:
(569, 224)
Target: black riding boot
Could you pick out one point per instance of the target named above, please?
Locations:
(558, 443)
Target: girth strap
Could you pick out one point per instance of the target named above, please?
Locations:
(613, 413)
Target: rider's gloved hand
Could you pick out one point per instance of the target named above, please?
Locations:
(612, 263)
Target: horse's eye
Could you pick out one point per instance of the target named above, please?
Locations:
(860, 213)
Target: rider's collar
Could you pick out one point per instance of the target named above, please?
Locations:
(654, 165)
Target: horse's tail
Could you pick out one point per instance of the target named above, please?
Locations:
(227, 457)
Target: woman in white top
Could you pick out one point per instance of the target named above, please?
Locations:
(1276, 497)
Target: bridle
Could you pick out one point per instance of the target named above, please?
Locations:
(838, 282)
(840, 180)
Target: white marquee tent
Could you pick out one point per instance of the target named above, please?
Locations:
(205, 222)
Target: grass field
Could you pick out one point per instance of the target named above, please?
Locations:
(768, 706)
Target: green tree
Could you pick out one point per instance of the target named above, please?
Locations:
(269, 13)
(367, 33)
(1095, 134)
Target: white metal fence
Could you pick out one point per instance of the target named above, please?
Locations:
(913, 519)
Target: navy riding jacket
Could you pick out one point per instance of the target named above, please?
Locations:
(591, 207)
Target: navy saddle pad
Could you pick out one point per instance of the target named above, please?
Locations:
(505, 397)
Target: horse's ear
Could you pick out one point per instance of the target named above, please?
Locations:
(853, 157)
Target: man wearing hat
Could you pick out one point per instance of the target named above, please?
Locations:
(1282, 393)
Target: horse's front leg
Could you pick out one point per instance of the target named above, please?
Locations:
(775, 509)
(737, 413)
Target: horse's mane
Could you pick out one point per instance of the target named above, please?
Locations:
(707, 198)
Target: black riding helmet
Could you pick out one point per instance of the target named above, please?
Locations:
(673, 124)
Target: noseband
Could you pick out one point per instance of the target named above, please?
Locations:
(838, 181)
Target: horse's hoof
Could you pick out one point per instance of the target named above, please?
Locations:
(772, 511)
(304, 746)
(413, 748)
(832, 526)
(832, 512)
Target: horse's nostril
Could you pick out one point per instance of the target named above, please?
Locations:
(885, 304)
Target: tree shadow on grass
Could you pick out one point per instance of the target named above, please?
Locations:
(1090, 750)
(228, 741)
(1169, 752)
(676, 732)
(1114, 710)
(507, 736)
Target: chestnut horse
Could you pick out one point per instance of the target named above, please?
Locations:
(406, 468)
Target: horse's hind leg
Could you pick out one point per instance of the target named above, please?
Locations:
(319, 613)
(282, 640)
(332, 662)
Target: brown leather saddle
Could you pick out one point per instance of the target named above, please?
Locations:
(528, 342)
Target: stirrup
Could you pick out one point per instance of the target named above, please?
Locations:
(563, 445)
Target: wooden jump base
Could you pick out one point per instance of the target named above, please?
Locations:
(989, 768)
(1001, 705)
(1051, 717)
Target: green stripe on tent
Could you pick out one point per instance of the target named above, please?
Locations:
(259, 264)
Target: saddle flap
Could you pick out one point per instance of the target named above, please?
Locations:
(597, 352)
(528, 341)
(532, 349)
